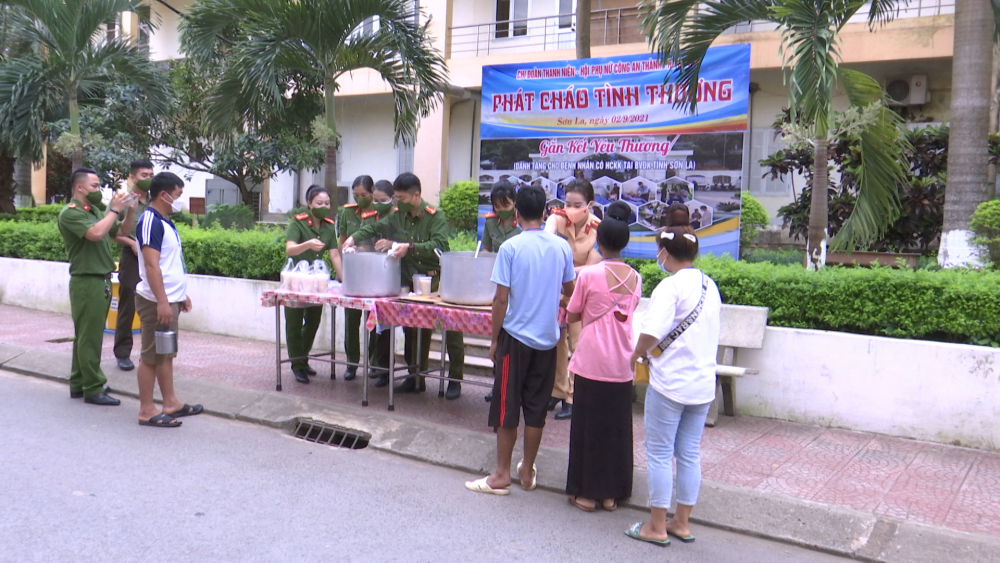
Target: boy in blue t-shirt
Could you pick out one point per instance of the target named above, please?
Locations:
(532, 270)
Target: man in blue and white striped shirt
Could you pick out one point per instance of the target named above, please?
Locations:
(160, 297)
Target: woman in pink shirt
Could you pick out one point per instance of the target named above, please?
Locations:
(600, 445)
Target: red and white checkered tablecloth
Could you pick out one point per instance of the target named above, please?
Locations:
(274, 297)
(388, 311)
(417, 315)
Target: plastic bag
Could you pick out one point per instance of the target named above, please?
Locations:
(289, 264)
(320, 276)
(298, 278)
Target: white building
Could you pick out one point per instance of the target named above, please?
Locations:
(914, 51)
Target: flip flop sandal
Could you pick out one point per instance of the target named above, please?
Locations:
(633, 533)
(186, 410)
(480, 486)
(580, 505)
(685, 539)
(610, 507)
(534, 476)
(161, 421)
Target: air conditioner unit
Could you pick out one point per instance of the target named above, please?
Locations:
(907, 90)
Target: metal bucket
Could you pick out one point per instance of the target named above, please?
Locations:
(465, 279)
(370, 274)
(166, 341)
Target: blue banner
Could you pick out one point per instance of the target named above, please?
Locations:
(614, 121)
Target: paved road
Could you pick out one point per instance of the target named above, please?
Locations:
(84, 483)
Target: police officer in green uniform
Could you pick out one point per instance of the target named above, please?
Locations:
(139, 179)
(308, 236)
(85, 230)
(423, 228)
(500, 224)
(349, 219)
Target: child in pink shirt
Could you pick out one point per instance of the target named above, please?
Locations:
(605, 298)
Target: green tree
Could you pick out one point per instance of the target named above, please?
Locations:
(273, 46)
(460, 203)
(69, 62)
(681, 31)
(247, 155)
(10, 46)
(753, 219)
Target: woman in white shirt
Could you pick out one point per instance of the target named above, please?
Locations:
(681, 382)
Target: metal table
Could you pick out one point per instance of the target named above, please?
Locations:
(434, 316)
(279, 298)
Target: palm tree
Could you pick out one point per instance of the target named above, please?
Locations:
(69, 62)
(967, 144)
(681, 32)
(273, 47)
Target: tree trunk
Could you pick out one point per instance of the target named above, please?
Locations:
(74, 127)
(818, 206)
(991, 170)
(583, 29)
(330, 175)
(966, 184)
(6, 182)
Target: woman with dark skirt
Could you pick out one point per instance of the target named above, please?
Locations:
(600, 445)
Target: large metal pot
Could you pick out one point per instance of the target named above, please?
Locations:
(465, 279)
(370, 274)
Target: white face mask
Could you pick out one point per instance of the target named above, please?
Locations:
(175, 205)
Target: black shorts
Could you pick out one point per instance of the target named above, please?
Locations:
(523, 379)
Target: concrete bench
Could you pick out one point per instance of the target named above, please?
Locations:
(742, 327)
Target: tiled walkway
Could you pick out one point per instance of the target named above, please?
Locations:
(958, 488)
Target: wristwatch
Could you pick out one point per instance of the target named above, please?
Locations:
(115, 211)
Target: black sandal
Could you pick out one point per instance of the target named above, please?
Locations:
(161, 420)
(186, 410)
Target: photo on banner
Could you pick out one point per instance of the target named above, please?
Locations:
(614, 121)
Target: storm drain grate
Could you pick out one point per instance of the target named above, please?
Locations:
(330, 434)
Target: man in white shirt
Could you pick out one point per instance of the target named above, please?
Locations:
(160, 297)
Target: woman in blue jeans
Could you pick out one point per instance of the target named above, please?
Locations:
(683, 322)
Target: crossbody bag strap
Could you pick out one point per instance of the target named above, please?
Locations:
(688, 320)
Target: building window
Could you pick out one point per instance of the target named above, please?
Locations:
(112, 29)
(404, 158)
(566, 10)
(508, 10)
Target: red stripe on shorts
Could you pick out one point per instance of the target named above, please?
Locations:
(504, 372)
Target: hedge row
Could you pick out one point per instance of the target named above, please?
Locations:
(40, 214)
(257, 254)
(945, 305)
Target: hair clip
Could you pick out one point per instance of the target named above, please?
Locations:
(690, 237)
(667, 235)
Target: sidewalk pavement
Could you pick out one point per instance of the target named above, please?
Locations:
(861, 495)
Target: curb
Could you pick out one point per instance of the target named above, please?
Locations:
(832, 529)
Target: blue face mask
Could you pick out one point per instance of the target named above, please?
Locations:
(660, 264)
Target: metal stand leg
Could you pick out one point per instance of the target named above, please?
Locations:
(417, 356)
(444, 350)
(333, 342)
(365, 362)
(392, 366)
(277, 345)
